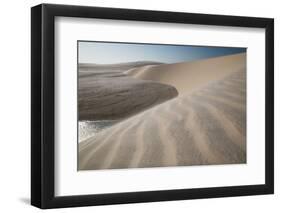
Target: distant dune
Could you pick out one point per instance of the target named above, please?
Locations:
(114, 67)
(205, 124)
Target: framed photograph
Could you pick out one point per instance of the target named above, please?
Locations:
(139, 106)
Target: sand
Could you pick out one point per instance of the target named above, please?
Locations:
(204, 125)
(190, 76)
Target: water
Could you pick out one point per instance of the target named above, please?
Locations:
(91, 128)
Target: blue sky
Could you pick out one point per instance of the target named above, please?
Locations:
(110, 53)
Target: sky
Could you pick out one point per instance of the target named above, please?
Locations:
(112, 53)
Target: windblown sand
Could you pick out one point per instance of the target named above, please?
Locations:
(205, 124)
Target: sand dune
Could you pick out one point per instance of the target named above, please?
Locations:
(189, 76)
(205, 125)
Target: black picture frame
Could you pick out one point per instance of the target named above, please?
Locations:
(43, 102)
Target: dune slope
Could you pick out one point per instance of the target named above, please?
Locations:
(189, 76)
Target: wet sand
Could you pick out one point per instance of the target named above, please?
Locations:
(110, 94)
